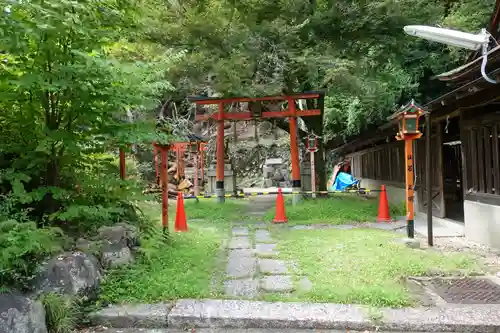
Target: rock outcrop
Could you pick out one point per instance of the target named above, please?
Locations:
(72, 273)
(117, 244)
(20, 314)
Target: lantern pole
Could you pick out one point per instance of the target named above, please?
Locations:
(294, 152)
(196, 185)
(409, 131)
(312, 147)
(313, 175)
(219, 168)
(410, 198)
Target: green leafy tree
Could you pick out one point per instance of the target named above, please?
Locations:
(68, 84)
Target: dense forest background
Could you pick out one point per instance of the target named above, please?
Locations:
(81, 78)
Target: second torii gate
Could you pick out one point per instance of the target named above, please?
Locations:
(256, 113)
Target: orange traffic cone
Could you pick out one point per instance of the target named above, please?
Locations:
(180, 215)
(280, 216)
(383, 207)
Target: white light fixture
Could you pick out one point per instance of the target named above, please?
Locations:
(448, 36)
(455, 38)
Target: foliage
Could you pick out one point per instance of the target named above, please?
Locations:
(66, 92)
(23, 246)
(355, 50)
(186, 269)
(61, 313)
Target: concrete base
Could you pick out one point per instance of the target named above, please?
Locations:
(440, 227)
(229, 184)
(482, 223)
(238, 314)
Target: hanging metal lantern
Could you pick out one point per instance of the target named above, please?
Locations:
(408, 121)
(312, 143)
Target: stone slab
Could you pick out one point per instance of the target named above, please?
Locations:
(241, 267)
(248, 288)
(272, 266)
(266, 250)
(240, 231)
(279, 315)
(238, 253)
(450, 318)
(255, 314)
(412, 243)
(239, 243)
(261, 225)
(276, 283)
(132, 316)
(262, 236)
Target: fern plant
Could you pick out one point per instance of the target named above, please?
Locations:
(24, 246)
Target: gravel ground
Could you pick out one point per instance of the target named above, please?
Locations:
(489, 256)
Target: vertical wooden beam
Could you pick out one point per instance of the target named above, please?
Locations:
(428, 178)
(219, 175)
(389, 162)
(464, 138)
(488, 160)
(439, 146)
(473, 150)
(480, 161)
(496, 159)
(398, 164)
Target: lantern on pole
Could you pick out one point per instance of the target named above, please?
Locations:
(408, 130)
(194, 150)
(312, 147)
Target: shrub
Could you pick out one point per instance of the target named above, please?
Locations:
(61, 313)
(24, 246)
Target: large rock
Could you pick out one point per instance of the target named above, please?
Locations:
(117, 242)
(72, 273)
(19, 314)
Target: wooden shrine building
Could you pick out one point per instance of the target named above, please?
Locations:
(465, 151)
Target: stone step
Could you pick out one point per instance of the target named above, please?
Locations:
(261, 316)
(201, 330)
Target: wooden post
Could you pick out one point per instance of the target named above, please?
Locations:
(219, 179)
(202, 163)
(410, 199)
(122, 164)
(164, 188)
(313, 175)
(294, 151)
(428, 178)
(196, 186)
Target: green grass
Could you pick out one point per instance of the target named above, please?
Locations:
(181, 267)
(360, 266)
(338, 209)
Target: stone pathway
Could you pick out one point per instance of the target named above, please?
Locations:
(252, 267)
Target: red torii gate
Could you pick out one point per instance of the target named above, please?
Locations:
(291, 112)
(179, 148)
